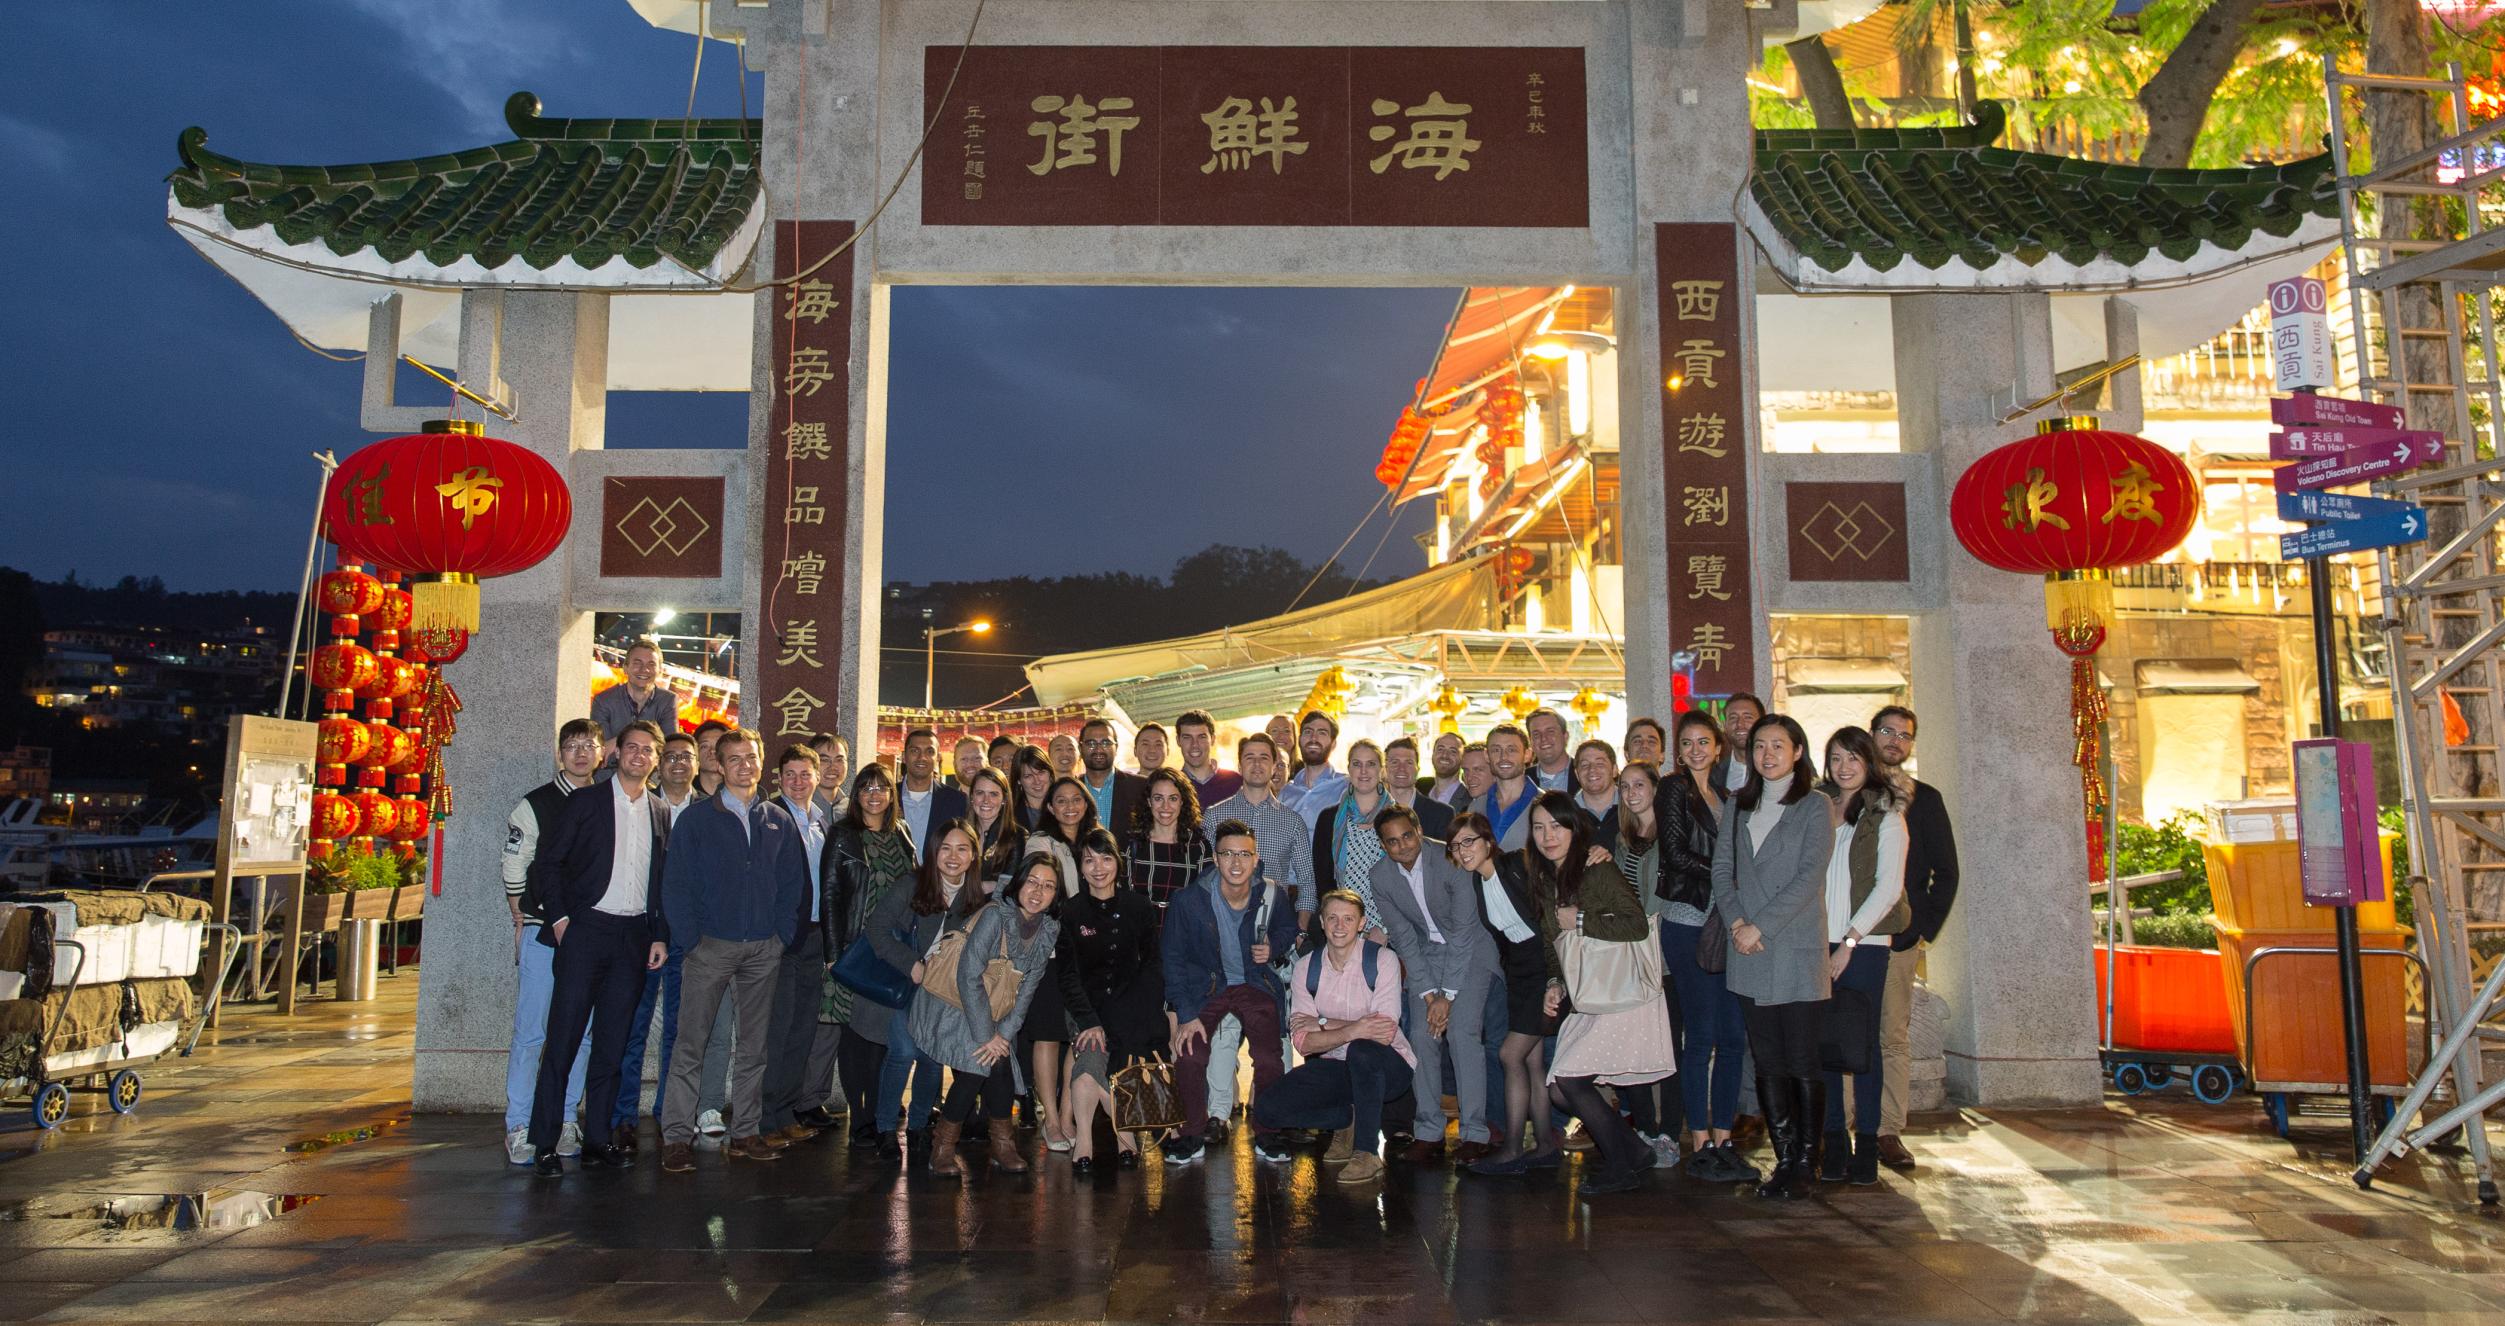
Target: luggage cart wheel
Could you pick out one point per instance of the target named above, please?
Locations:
(2275, 1104)
(2159, 1075)
(2487, 1192)
(123, 1092)
(2130, 1079)
(2212, 1084)
(52, 1104)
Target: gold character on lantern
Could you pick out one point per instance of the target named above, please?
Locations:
(1237, 134)
(2022, 507)
(369, 497)
(1071, 141)
(2135, 496)
(471, 492)
(1442, 145)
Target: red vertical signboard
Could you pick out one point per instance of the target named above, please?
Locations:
(1707, 394)
(807, 585)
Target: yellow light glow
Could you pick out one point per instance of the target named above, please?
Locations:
(1550, 348)
(979, 627)
(1675, 382)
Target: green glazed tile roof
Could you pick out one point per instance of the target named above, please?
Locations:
(1940, 196)
(590, 190)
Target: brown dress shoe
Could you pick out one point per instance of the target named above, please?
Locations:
(1747, 1131)
(752, 1148)
(1005, 1157)
(1893, 1153)
(1422, 1153)
(678, 1158)
(792, 1136)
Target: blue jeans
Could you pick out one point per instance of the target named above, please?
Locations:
(661, 988)
(538, 981)
(1711, 1070)
(1866, 972)
(905, 1062)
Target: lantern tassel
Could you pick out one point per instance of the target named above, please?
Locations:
(2078, 600)
(446, 602)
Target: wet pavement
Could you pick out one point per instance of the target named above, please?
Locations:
(278, 1176)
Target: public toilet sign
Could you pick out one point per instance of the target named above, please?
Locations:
(2339, 841)
(2342, 536)
(2300, 334)
(2321, 440)
(2343, 506)
(2305, 407)
(2361, 464)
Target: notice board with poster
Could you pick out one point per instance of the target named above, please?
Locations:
(265, 821)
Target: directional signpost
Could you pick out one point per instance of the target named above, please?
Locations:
(2330, 442)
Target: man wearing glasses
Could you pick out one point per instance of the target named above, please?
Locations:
(1116, 793)
(676, 793)
(578, 759)
(1220, 938)
(1930, 888)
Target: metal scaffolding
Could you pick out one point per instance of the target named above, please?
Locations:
(2424, 235)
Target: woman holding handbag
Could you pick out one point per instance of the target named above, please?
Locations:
(1113, 984)
(1865, 900)
(1713, 1054)
(1770, 888)
(945, 895)
(1617, 1020)
(868, 855)
(1069, 813)
(1523, 955)
(975, 1033)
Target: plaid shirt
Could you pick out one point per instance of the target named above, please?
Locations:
(1286, 849)
(1162, 870)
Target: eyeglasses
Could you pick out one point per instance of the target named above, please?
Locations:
(581, 745)
(1895, 733)
(1097, 744)
(1236, 854)
(1471, 841)
(679, 757)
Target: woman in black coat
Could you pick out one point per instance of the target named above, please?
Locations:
(1113, 986)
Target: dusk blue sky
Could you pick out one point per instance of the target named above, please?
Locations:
(160, 419)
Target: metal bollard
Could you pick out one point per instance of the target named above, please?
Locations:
(360, 953)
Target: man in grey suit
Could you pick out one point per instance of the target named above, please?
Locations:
(1430, 912)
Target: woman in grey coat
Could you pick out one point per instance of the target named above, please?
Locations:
(965, 1036)
(947, 894)
(1769, 886)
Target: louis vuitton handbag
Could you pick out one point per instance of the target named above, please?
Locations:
(1144, 1098)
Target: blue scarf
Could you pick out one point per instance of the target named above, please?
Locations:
(1502, 820)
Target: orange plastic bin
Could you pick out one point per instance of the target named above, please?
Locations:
(2168, 999)
(2296, 1045)
(2256, 887)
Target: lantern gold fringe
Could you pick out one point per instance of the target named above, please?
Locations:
(2087, 729)
(446, 602)
(2078, 600)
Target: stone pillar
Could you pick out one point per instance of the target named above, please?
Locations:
(528, 670)
(1687, 66)
(1994, 700)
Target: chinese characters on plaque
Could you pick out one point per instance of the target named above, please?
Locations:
(1257, 136)
(802, 560)
(1705, 403)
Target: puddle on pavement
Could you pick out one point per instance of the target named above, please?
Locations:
(346, 1136)
(219, 1209)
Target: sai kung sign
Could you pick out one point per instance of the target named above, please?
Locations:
(1256, 136)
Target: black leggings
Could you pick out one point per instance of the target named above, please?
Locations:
(858, 1060)
(1580, 1097)
(967, 1092)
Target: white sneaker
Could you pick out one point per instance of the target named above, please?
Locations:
(570, 1142)
(710, 1123)
(1665, 1150)
(517, 1147)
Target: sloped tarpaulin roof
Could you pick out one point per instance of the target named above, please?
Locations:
(1459, 595)
(1487, 337)
(1944, 209)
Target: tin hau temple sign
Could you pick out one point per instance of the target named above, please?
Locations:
(802, 558)
(1256, 136)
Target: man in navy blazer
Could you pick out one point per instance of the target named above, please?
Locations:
(1221, 937)
(597, 877)
(737, 877)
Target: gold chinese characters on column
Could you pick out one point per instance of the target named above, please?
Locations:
(1705, 401)
(1306, 135)
(807, 454)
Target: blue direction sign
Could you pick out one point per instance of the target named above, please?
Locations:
(2332, 411)
(2407, 453)
(2341, 506)
(2342, 536)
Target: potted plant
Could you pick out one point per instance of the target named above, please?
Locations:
(350, 883)
(408, 902)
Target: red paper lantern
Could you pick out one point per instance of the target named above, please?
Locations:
(346, 595)
(2071, 503)
(376, 814)
(391, 748)
(447, 506)
(334, 817)
(340, 669)
(409, 819)
(341, 740)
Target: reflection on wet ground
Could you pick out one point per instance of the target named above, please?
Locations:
(280, 1176)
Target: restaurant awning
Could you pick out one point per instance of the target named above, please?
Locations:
(2194, 676)
(1847, 676)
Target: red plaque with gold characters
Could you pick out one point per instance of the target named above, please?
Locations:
(804, 563)
(1256, 136)
(1705, 404)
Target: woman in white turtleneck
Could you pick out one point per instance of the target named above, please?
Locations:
(1865, 904)
(1769, 887)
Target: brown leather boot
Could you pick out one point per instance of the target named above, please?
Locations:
(1005, 1157)
(944, 1134)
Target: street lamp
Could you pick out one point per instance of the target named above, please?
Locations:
(930, 652)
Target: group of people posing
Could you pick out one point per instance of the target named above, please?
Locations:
(1638, 956)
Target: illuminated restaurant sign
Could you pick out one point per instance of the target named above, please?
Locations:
(1256, 136)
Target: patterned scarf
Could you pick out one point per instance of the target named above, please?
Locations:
(1357, 850)
(890, 859)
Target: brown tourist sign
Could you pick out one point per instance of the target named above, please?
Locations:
(1706, 398)
(1256, 136)
(808, 458)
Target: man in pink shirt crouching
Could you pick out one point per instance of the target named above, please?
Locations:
(1344, 1017)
